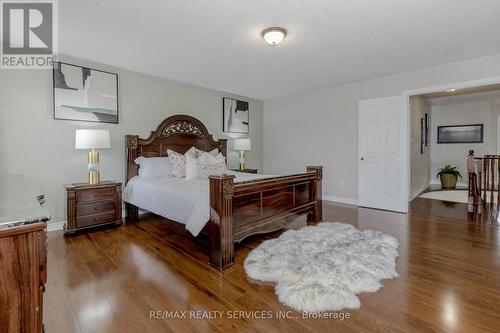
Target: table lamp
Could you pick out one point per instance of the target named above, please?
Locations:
(242, 145)
(92, 139)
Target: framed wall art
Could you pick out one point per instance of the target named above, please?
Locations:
(235, 115)
(427, 125)
(460, 134)
(422, 135)
(85, 94)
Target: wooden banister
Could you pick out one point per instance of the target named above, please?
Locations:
(484, 177)
(472, 197)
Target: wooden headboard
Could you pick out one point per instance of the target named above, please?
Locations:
(177, 133)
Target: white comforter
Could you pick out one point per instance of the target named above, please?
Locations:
(178, 199)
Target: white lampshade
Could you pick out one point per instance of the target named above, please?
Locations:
(242, 144)
(92, 139)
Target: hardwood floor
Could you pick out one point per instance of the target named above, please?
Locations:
(110, 280)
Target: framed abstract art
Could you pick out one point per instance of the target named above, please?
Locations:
(235, 115)
(85, 94)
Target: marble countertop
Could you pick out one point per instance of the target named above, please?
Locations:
(19, 202)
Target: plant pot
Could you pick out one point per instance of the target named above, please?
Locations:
(448, 180)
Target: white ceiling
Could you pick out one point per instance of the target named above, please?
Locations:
(217, 44)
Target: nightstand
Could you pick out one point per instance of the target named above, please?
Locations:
(246, 170)
(90, 206)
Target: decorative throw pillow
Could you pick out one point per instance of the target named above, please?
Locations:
(208, 158)
(210, 165)
(154, 166)
(178, 161)
(191, 151)
(214, 152)
(200, 152)
(212, 170)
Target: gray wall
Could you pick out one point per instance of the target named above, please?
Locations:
(32, 143)
(321, 127)
(420, 163)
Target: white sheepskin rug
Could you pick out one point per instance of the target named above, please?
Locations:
(323, 267)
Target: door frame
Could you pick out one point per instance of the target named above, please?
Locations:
(413, 92)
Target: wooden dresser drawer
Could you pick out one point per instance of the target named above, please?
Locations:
(89, 220)
(93, 195)
(95, 208)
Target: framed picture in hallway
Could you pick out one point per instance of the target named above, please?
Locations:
(235, 115)
(85, 94)
(423, 135)
(427, 130)
(460, 134)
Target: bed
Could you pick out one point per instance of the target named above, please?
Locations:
(223, 209)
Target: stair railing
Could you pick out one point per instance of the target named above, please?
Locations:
(484, 178)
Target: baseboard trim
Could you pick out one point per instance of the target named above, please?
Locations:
(332, 198)
(419, 191)
(55, 226)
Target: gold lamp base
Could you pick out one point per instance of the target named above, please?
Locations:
(93, 167)
(242, 160)
(94, 178)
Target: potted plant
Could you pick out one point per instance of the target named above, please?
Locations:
(448, 175)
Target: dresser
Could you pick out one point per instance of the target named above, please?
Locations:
(23, 255)
(90, 206)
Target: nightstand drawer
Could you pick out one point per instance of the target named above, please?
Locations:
(95, 208)
(86, 221)
(96, 194)
(93, 205)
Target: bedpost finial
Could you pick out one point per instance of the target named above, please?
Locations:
(318, 169)
(132, 141)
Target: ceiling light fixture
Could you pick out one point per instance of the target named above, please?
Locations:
(450, 90)
(273, 36)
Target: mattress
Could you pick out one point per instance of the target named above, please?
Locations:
(178, 199)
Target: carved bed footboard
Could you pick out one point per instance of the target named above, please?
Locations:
(239, 210)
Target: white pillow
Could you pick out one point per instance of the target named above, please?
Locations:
(154, 166)
(192, 171)
(199, 152)
(210, 158)
(205, 158)
(178, 161)
(209, 165)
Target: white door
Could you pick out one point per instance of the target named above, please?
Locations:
(382, 173)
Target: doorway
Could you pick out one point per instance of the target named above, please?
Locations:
(375, 179)
(445, 125)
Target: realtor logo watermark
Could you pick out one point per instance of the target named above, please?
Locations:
(29, 34)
